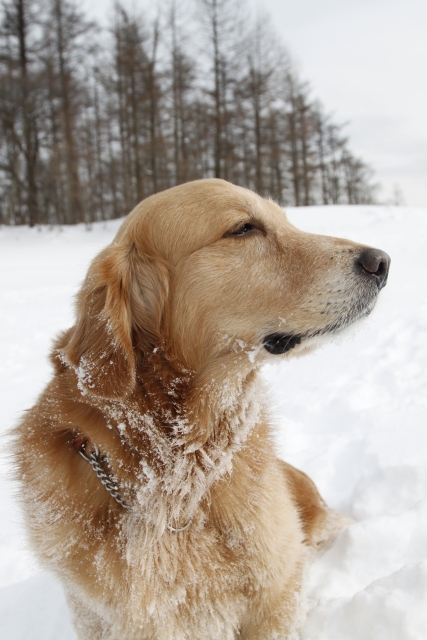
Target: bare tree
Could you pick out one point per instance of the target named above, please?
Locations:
(182, 88)
(224, 28)
(69, 30)
(260, 72)
(136, 91)
(18, 50)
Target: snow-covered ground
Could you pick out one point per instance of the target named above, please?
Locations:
(352, 415)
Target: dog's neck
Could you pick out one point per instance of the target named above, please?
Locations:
(187, 434)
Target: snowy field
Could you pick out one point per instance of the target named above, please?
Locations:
(353, 416)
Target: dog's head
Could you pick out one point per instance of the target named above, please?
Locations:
(207, 273)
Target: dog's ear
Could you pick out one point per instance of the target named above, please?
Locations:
(119, 310)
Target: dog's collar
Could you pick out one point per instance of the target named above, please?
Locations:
(94, 458)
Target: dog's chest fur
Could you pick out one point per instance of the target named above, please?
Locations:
(244, 540)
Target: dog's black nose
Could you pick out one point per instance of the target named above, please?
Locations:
(376, 263)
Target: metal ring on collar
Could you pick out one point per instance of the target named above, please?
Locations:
(87, 458)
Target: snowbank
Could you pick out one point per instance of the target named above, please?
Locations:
(351, 415)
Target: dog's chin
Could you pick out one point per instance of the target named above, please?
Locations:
(303, 343)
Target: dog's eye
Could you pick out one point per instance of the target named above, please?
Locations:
(245, 228)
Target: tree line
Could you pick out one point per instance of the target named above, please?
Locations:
(93, 120)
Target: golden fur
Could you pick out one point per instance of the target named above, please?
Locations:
(160, 372)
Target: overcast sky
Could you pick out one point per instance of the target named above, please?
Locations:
(367, 62)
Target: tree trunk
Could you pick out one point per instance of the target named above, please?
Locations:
(30, 132)
(73, 181)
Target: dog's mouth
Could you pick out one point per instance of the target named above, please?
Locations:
(280, 343)
(277, 343)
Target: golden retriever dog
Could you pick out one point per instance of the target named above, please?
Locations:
(149, 477)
